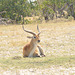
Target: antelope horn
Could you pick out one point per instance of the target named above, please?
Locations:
(28, 31)
(38, 30)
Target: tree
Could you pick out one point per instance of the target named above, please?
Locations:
(18, 9)
(15, 9)
(50, 7)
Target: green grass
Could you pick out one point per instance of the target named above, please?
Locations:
(57, 41)
(45, 62)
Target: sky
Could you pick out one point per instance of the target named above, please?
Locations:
(33, 0)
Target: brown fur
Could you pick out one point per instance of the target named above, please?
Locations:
(27, 50)
(30, 50)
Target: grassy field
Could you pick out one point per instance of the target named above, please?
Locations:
(57, 41)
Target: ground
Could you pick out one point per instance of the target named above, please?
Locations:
(57, 41)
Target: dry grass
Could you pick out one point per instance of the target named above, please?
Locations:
(57, 40)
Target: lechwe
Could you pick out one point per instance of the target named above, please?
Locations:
(32, 49)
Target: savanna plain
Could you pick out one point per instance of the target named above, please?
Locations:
(57, 40)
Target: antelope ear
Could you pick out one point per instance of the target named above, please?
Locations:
(29, 37)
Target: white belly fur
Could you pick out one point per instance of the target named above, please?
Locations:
(32, 51)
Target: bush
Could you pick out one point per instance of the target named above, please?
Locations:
(27, 21)
(70, 18)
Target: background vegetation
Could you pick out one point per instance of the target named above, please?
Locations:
(17, 10)
(57, 37)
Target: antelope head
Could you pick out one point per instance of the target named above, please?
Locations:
(35, 37)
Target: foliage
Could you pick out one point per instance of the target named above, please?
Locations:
(18, 9)
(15, 8)
(50, 7)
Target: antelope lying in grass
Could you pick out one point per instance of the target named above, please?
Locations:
(32, 49)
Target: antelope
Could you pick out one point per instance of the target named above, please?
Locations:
(32, 49)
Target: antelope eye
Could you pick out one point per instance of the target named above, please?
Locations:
(34, 37)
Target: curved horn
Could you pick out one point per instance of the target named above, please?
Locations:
(38, 30)
(28, 31)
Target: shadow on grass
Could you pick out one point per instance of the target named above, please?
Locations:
(17, 57)
(32, 59)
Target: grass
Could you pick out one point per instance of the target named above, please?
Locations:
(46, 62)
(57, 40)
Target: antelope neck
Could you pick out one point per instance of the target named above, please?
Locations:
(33, 43)
(33, 47)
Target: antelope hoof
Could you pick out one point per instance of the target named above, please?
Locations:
(38, 56)
(43, 55)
